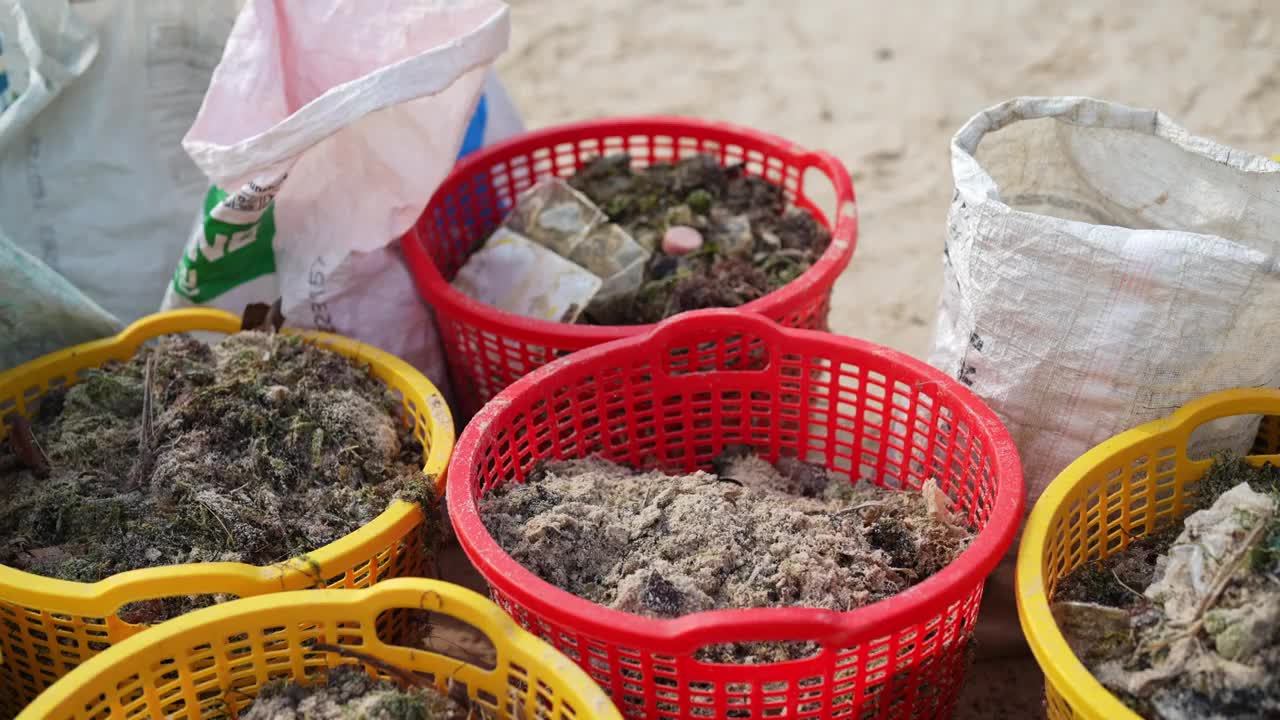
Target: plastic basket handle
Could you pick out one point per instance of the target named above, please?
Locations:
(115, 592)
(844, 219)
(690, 329)
(178, 321)
(155, 583)
(444, 599)
(827, 628)
(1228, 403)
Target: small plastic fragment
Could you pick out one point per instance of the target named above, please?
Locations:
(614, 257)
(553, 214)
(515, 274)
(681, 240)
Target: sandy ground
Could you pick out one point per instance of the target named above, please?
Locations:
(884, 86)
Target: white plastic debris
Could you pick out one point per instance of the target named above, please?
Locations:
(615, 257)
(554, 215)
(1210, 540)
(563, 220)
(515, 274)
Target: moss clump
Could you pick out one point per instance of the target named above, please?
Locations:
(1119, 580)
(753, 242)
(261, 448)
(1227, 472)
(348, 692)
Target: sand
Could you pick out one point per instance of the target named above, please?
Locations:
(884, 86)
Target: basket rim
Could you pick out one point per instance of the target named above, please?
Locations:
(64, 596)
(687, 633)
(507, 637)
(442, 296)
(1062, 669)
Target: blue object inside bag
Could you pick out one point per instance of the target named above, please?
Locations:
(474, 138)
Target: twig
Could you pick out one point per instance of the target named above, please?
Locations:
(404, 676)
(1219, 586)
(231, 539)
(1163, 643)
(1126, 586)
(146, 432)
(407, 678)
(27, 449)
(861, 506)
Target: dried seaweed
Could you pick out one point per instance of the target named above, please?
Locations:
(753, 242)
(753, 535)
(349, 692)
(259, 449)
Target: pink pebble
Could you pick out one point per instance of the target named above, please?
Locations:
(681, 240)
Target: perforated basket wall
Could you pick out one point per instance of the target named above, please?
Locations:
(1123, 489)
(48, 626)
(489, 349)
(212, 663)
(676, 397)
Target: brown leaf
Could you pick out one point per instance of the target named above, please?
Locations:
(24, 446)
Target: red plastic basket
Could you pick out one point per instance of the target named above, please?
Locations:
(488, 349)
(675, 397)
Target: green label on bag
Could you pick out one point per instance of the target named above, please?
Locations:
(224, 255)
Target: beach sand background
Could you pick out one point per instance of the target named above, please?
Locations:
(884, 86)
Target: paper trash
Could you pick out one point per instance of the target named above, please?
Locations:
(515, 274)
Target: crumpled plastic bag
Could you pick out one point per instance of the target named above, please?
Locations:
(93, 178)
(1203, 586)
(563, 220)
(517, 275)
(325, 130)
(1209, 538)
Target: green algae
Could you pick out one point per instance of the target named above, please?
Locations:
(753, 243)
(262, 448)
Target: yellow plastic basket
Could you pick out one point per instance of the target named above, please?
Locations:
(1128, 486)
(211, 663)
(48, 626)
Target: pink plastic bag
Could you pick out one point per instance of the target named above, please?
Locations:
(326, 128)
